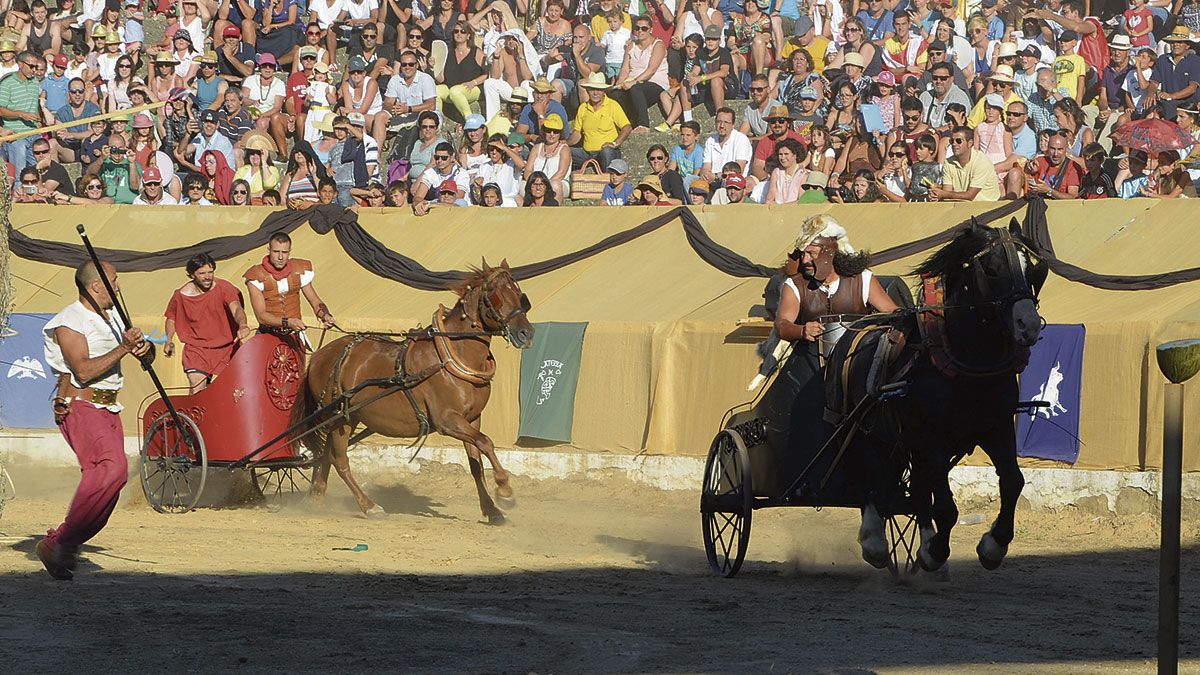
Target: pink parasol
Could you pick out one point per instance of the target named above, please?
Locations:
(1152, 135)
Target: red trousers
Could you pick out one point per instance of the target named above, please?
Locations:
(96, 437)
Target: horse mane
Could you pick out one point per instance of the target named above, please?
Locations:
(476, 278)
(971, 241)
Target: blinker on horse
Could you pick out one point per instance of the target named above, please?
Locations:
(976, 322)
(439, 379)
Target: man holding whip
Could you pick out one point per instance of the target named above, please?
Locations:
(84, 345)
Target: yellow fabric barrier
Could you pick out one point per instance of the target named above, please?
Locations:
(664, 356)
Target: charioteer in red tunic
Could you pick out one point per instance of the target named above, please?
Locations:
(208, 316)
(275, 286)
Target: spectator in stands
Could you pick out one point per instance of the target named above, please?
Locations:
(208, 138)
(264, 93)
(122, 176)
(687, 158)
(754, 116)
(304, 174)
(1053, 175)
(28, 187)
(443, 168)
(726, 145)
(1071, 124)
(619, 191)
(258, 174)
(586, 57)
(361, 94)
(800, 77)
(1041, 102)
(529, 123)
(815, 189)
(1096, 183)
(219, 174)
(490, 195)
(614, 41)
(893, 178)
(601, 125)
(967, 175)
(643, 77)
(789, 174)
(941, 94)
(193, 191)
(698, 193)
(1112, 79)
(235, 59)
(209, 88)
(1169, 179)
(649, 192)
(538, 191)
(51, 174)
(461, 80)
(779, 128)
(152, 193)
(673, 190)
(408, 94)
(19, 109)
(70, 140)
(501, 171)
(1177, 76)
(551, 157)
(714, 80)
(733, 186)
(54, 85)
(239, 193)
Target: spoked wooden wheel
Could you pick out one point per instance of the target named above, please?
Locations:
(174, 464)
(278, 486)
(902, 545)
(726, 503)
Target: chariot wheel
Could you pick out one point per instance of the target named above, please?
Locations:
(174, 464)
(726, 503)
(903, 544)
(278, 486)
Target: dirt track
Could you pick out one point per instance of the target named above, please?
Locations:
(589, 576)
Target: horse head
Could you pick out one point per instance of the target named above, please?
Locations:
(990, 276)
(498, 304)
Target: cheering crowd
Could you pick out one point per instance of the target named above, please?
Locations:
(540, 102)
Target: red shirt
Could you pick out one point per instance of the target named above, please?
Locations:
(1060, 177)
(1138, 19)
(204, 320)
(766, 144)
(297, 82)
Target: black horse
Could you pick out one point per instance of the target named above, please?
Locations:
(965, 344)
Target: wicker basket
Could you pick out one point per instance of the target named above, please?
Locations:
(586, 185)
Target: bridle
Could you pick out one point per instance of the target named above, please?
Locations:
(1017, 291)
(489, 299)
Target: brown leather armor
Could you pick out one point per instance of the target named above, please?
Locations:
(847, 299)
(280, 304)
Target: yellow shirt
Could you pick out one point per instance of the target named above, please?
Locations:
(977, 114)
(600, 125)
(977, 172)
(1067, 69)
(816, 50)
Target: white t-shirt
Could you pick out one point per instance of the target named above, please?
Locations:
(101, 339)
(432, 178)
(325, 14)
(422, 89)
(262, 96)
(166, 200)
(320, 93)
(1135, 89)
(355, 10)
(614, 44)
(735, 149)
(503, 176)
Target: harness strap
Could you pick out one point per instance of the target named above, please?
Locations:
(451, 361)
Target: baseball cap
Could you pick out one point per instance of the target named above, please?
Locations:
(618, 166)
(307, 51)
(208, 116)
(988, 3)
(1031, 50)
(552, 121)
(151, 175)
(178, 94)
(516, 138)
(231, 31)
(886, 77)
(700, 187)
(473, 122)
(448, 186)
(809, 93)
(61, 61)
(736, 181)
(267, 58)
(1068, 35)
(357, 63)
(712, 31)
(801, 26)
(937, 46)
(142, 121)
(994, 100)
(357, 119)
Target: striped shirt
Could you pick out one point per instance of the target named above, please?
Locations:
(20, 95)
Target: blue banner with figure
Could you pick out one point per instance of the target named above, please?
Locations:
(1055, 376)
(28, 382)
(549, 374)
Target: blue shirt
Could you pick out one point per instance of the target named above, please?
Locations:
(1174, 77)
(877, 28)
(619, 197)
(1025, 142)
(1132, 187)
(996, 28)
(688, 164)
(529, 118)
(56, 90)
(66, 114)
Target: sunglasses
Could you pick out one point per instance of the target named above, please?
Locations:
(75, 91)
(442, 158)
(641, 29)
(117, 151)
(41, 152)
(1014, 113)
(416, 36)
(853, 29)
(897, 154)
(151, 183)
(316, 33)
(369, 36)
(656, 158)
(408, 64)
(778, 120)
(1001, 84)
(126, 65)
(428, 126)
(958, 141)
(239, 192)
(758, 88)
(94, 187)
(459, 31)
(941, 78)
(912, 118)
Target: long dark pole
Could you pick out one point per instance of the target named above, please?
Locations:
(1168, 563)
(121, 312)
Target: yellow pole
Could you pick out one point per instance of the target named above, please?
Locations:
(87, 120)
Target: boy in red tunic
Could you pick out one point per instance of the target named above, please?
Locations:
(208, 316)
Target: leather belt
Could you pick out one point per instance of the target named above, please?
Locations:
(97, 396)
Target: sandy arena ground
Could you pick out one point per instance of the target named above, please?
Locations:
(589, 576)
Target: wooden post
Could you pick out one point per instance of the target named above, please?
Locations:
(1178, 361)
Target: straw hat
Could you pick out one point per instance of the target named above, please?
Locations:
(652, 181)
(1002, 74)
(209, 57)
(854, 59)
(257, 139)
(595, 81)
(1179, 34)
(1006, 49)
(165, 59)
(519, 95)
(325, 123)
(543, 86)
(7, 45)
(778, 112)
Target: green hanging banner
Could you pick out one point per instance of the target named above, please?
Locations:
(549, 375)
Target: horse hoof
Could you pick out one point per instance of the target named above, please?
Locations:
(874, 556)
(505, 501)
(941, 575)
(990, 552)
(375, 513)
(928, 562)
(497, 519)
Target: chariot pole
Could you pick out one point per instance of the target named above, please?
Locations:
(1178, 361)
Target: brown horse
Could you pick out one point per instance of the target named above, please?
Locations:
(447, 370)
